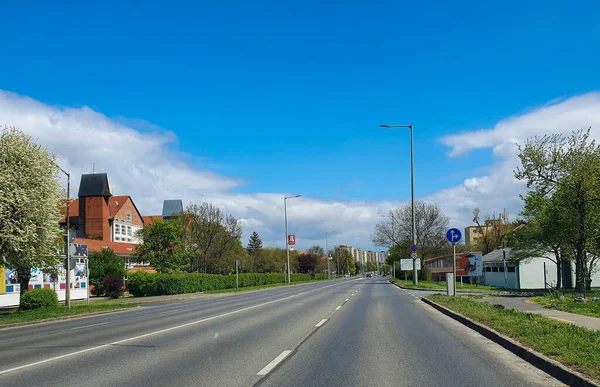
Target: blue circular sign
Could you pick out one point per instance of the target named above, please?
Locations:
(453, 235)
(413, 248)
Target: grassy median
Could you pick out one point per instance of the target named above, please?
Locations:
(573, 346)
(250, 288)
(434, 285)
(77, 308)
(567, 304)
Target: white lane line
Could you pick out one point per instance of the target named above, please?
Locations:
(338, 308)
(159, 331)
(346, 300)
(274, 363)
(92, 325)
(321, 322)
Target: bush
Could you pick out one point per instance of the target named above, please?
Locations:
(142, 284)
(39, 298)
(113, 285)
(102, 264)
(425, 273)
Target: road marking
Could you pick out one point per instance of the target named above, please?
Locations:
(346, 300)
(274, 363)
(338, 308)
(161, 331)
(321, 322)
(92, 325)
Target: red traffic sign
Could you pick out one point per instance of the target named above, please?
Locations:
(291, 239)
(413, 255)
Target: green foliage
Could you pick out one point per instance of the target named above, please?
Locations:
(569, 344)
(254, 244)
(39, 298)
(30, 200)
(142, 284)
(161, 246)
(425, 273)
(102, 264)
(77, 308)
(113, 285)
(566, 304)
(371, 266)
(307, 262)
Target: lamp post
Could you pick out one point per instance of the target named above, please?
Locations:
(67, 252)
(327, 253)
(412, 191)
(287, 246)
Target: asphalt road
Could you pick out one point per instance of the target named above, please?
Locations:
(345, 333)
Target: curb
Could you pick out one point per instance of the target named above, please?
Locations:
(485, 293)
(74, 317)
(551, 367)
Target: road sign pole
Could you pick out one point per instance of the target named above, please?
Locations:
(68, 276)
(237, 276)
(454, 268)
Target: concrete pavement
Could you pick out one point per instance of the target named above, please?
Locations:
(351, 333)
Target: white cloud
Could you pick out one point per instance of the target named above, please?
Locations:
(142, 161)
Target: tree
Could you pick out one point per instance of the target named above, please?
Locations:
(492, 232)
(569, 166)
(254, 244)
(431, 227)
(343, 262)
(212, 239)
(371, 266)
(316, 250)
(30, 199)
(161, 246)
(102, 264)
(307, 263)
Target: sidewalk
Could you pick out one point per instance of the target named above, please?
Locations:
(525, 306)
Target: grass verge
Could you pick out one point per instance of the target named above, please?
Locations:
(442, 286)
(568, 305)
(573, 346)
(77, 308)
(250, 288)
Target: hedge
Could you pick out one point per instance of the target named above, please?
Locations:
(142, 284)
(39, 298)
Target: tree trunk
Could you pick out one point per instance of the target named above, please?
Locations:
(558, 269)
(24, 280)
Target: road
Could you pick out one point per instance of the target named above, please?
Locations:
(354, 332)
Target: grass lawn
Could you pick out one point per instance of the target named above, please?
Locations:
(568, 305)
(250, 288)
(573, 346)
(442, 286)
(77, 308)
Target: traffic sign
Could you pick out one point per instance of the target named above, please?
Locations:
(291, 239)
(413, 248)
(413, 255)
(453, 235)
(80, 250)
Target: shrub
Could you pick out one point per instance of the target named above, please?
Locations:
(113, 285)
(102, 264)
(425, 273)
(39, 298)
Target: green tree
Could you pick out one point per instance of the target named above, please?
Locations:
(316, 250)
(102, 264)
(307, 262)
(161, 246)
(568, 166)
(30, 199)
(254, 244)
(371, 266)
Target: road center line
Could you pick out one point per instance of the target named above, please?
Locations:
(321, 322)
(274, 363)
(346, 300)
(338, 308)
(161, 331)
(92, 325)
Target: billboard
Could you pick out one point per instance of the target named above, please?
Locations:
(469, 265)
(407, 264)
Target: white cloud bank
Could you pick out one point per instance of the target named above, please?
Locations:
(147, 166)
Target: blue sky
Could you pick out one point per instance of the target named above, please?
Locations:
(288, 96)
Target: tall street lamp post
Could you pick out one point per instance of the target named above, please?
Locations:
(287, 246)
(67, 252)
(327, 253)
(412, 191)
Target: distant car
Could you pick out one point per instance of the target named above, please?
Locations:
(369, 275)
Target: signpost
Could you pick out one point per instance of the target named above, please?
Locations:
(291, 239)
(453, 235)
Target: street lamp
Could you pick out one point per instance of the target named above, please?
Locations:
(412, 191)
(67, 252)
(327, 253)
(287, 246)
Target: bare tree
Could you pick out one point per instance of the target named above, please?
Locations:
(431, 225)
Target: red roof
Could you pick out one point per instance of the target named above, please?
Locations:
(97, 246)
(150, 219)
(114, 205)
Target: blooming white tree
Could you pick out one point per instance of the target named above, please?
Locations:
(30, 199)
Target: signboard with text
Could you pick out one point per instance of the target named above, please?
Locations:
(291, 239)
(407, 264)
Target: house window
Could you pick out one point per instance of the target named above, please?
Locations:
(117, 238)
(501, 269)
(117, 229)
(488, 269)
(511, 269)
(494, 269)
(128, 239)
(128, 217)
(129, 230)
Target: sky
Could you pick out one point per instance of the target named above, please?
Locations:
(240, 103)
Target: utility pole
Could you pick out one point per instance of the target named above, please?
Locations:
(68, 242)
(327, 253)
(287, 246)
